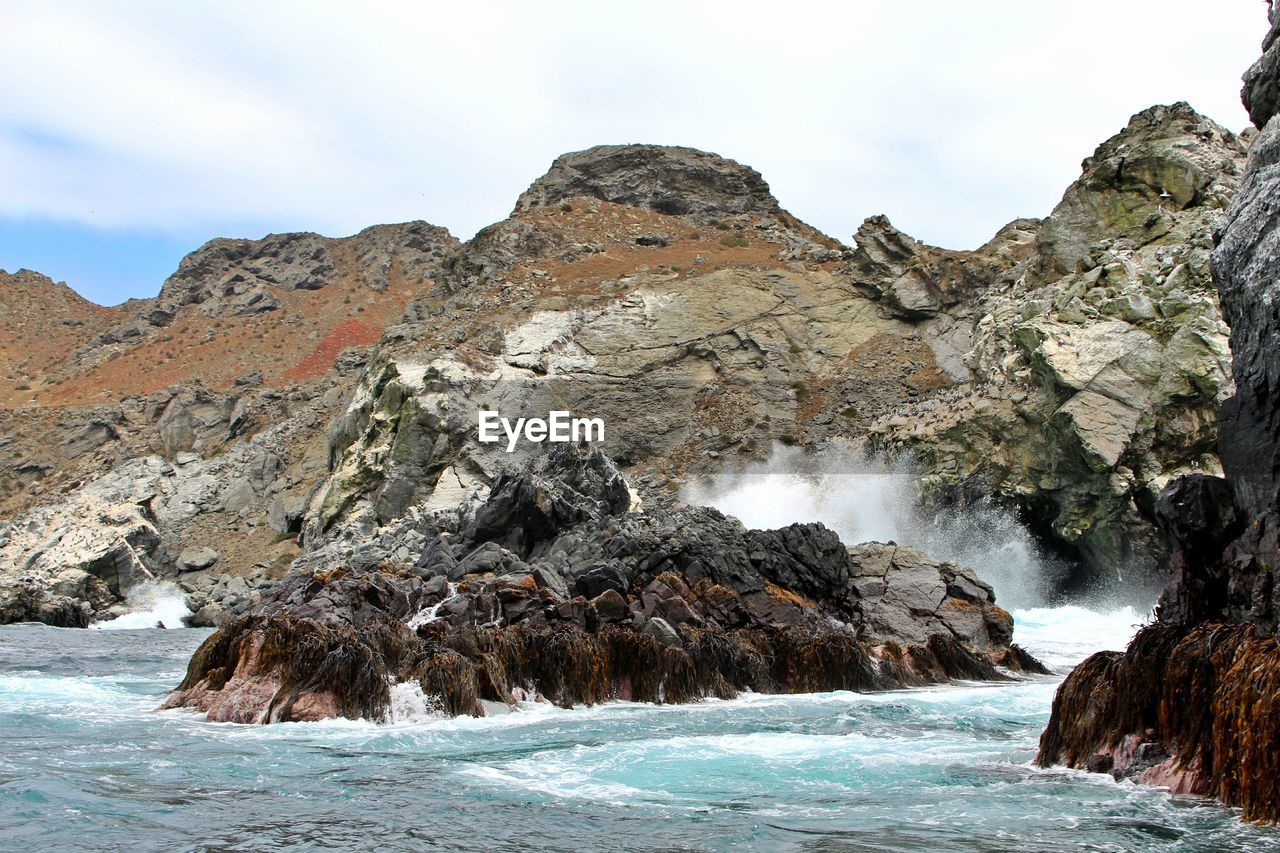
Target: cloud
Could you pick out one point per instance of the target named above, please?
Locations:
(951, 118)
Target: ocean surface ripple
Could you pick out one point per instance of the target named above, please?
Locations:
(86, 763)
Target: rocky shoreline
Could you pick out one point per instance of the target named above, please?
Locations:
(1193, 703)
(555, 587)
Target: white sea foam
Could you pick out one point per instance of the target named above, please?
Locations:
(866, 499)
(410, 706)
(152, 604)
(1063, 636)
(427, 615)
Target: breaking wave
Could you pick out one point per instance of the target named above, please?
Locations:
(866, 499)
(152, 604)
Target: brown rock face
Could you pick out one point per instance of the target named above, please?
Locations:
(1192, 708)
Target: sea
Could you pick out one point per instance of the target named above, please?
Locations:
(88, 763)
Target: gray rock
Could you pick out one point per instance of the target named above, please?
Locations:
(236, 587)
(907, 596)
(489, 557)
(548, 578)
(237, 496)
(197, 559)
(436, 588)
(284, 513)
(658, 628)
(209, 616)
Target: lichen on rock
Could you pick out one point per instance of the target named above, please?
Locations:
(1099, 361)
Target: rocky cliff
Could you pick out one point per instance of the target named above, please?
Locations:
(188, 424)
(1098, 357)
(1193, 702)
(302, 399)
(706, 331)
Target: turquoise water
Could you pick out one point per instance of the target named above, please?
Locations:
(85, 763)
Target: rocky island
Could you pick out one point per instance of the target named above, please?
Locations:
(339, 522)
(553, 588)
(1069, 369)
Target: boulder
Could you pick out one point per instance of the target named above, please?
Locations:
(285, 512)
(238, 495)
(197, 559)
(610, 606)
(906, 596)
(658, 628)
(601, 579)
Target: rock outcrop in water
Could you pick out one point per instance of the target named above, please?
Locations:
(1194, 702)
(553, 587)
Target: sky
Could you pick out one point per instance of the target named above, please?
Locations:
(132, 132)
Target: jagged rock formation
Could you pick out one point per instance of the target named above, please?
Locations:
(1261, 92)
(1193, 702)
(236, 277)
(1122, 363)
(551, 587)
(1099, 359)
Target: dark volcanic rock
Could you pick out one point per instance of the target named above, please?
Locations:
(1199, 516)
(1244, 265)
(1261, 92)
(808, 558)
(564, 488)
(665, 606)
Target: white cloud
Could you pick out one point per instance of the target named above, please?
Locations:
(952, 118)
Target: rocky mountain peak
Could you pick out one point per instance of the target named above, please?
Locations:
(236, 271)
(40, 322)
(668, 179)
(1166, 160)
